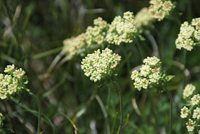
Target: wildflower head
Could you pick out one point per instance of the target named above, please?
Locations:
(188, 90)
(189, 35)
(122, 29)
(99, 66)
(12, 82)
(192, 111)
(150, 74)
(143, 18)
(159, 9)
(190, 125)
(184, 112)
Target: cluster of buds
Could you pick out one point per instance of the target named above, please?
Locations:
(96, 34)
(12, 82)
(159, 9)
(191, 110)
(74, 44)
(92, 36)
(100, 66)
(122, 30)
(143, 18)
(150, 74)
(189, 35)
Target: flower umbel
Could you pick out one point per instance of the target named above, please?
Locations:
(12, 82)
(189, 35)
(150, 74)
(159, 9)
(99, 65)
(192, 111)
(122, 30)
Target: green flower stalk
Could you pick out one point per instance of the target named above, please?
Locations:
(151, 76)
(191, 110)
(100, 66)
(189, 35)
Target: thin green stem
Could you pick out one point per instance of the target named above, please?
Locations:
(108, 101)
(121, 109)
(184, 80)
(140, 49)
(171, 108)
(34, 112)
(39, 112)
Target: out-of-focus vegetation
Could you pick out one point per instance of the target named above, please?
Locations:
(32, 34)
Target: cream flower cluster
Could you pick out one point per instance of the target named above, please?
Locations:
(150, 73)
(93, 35)
(143, 18)
(12, 82)
(191, 110)
(159, 9)
(189, 35)
(96, 34)
(72, 45)
(122, 30)
(99, 66)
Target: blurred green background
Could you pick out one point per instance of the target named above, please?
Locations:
(32, 34)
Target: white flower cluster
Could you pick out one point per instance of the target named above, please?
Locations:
(189, 35)
(159, 9)
(11, 82)
(192, 110)
(96, 34)
(93, 35)
(99, 65)
(72, 45)
(149, 74)
(122, 30)
(143, 18)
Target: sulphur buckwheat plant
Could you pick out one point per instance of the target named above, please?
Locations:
(189, 35)
(99, 65)
(93, 36)
(12, 82)
(159, 9)
(191, 110)
(150, 74)
(122, 29)
(143, 18)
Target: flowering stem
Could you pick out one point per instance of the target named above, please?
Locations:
(171, 107)
(39, 111)
(108, 101)
(121, 110)
(140, 49)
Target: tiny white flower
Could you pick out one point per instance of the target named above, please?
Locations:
(184, 112)
(188, 90)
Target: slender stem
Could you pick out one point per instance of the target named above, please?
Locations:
(171, 107)
(184, 81)
(39, 112)
(108, 101)
(45, 118)
(140, 49)
(121, 103)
